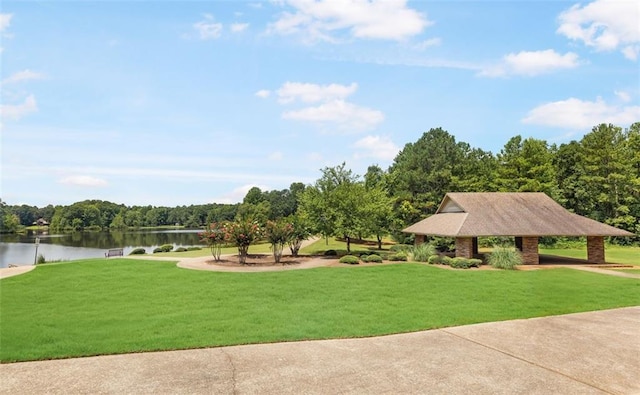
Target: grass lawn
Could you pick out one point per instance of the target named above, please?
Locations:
(321, 245)
(94, 307)
(613, 254)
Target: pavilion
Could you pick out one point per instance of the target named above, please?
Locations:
(527, 216)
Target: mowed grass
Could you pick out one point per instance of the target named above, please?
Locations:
(95, 307)
(613, 254)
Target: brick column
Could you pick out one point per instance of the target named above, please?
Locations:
(464, 247)
(419, 240)
(595, 249)
(530, 251)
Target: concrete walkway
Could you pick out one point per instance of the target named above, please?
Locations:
(585, 353)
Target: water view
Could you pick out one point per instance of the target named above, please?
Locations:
(20, 249)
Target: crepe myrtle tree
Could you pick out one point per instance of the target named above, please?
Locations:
(214, 238)
(242, 233)
(278, 233)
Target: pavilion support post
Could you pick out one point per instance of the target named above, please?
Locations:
(464, 247)
(595, 249)
(419, 240)
(530, 251)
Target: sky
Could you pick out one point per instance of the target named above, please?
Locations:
(171, 103)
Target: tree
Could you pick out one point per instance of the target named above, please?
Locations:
(335, 204)
(242, 233)
(278, 233)
(526, 166)
(214, 238)
(377, 213)
(301, 232)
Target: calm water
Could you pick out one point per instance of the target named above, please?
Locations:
(21, 249)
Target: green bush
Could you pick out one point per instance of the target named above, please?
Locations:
(375, 258)
(401, 248)
(330, 253)
(180, 249)
(350, 259)
(194, 248)
(475, 262)
(40, 260)
(157, 250)
(138, 251)
(446, 260)
(399, 256)
(435, 260)
(166, 247)
(505, 258)
(465, 263)
(422, 252)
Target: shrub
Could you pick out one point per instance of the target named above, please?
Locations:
(422, 252)
(363, 255)
(435, 260)
(401, 248)
(180, 249)
(138, 251)
(166, 247)
(375, 258)
(505, 258)
(40, 260)
(475, 262)
(400, 256)
(465, 263)
(350, 259)
(157, 250)
(330, 253)
(194, 248)
(446, 260)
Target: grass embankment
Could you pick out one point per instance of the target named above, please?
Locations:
(322, 245)
(263, 248)
(94, 307)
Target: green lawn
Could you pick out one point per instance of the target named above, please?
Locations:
(613, 254)
(320, 246)
(94, 307)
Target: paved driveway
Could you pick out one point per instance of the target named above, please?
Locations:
(585, 353)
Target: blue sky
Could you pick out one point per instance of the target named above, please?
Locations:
(179, 103)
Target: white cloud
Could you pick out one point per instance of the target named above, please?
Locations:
(346, 115)
(369, 19)
(17, 111)
(263, 93)
(622, 95)
(531, 63)
(579, 114)
(24, 75)
(376, 147)
(83, 181)
(432, 42)
(208, 30)
(238, 194)
(239, 27)
(277, 155)
(313, 93)
(5, 21)
(605, 25)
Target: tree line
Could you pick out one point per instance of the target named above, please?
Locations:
(597, 176)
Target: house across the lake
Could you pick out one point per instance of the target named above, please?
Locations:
(41, 222)
(526, 216)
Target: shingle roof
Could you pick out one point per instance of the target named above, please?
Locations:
(468, 214)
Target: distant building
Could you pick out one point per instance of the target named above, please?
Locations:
(41, 222)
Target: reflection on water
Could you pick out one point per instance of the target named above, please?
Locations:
(21, 250)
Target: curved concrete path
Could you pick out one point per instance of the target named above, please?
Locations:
(584, 353)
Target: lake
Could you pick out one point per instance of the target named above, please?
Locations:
(20, 249)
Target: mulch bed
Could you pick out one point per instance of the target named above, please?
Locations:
(259, 260)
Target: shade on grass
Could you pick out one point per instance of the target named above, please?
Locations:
(97, 307)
